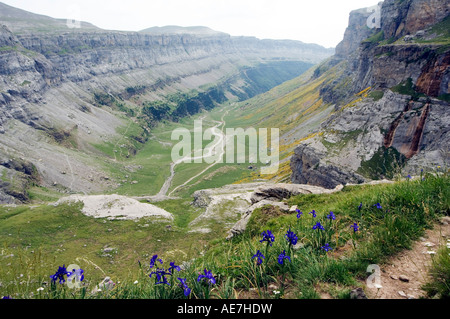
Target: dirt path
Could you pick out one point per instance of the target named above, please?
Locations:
(404, 275)
(207, 153)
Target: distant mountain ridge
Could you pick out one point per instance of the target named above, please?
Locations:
(21, 21)
(173, 29)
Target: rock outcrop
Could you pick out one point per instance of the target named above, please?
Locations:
(278, 192)
(273, 195)
(114, 207)
(240, 227)
(407, 17)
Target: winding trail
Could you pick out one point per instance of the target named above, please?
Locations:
(208, 152)
(71, 171)
(118, 141)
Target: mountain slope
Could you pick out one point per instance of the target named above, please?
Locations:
(20, 21)
(74, 102)
(391, 100)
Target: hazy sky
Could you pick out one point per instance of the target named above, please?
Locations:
(311, 21)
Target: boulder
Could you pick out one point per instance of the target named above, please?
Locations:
(241, 225)
(277, 192)
(358, 294)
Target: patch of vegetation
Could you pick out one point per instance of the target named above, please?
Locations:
(63, 137)
(444, 97)
(407, 88)
(103, 99)
(376, 38)
(261, 219)
(268, 75)
(122, 107)
(218, 176)
(386, 163)
(442, 32)
(376, 95)
(191, 105)
(39, 194)
(22, 166)
(344, 139)
(157, 110)
(132, 91)
(439, 286)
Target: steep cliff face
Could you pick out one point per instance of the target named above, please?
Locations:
(406, 17)
(391, 98)
(64, 90)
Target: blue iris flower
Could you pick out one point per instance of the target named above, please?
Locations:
(282, 257)
(260, 257)
(314, 213)
(79, 273)
(173, 267)
(299, 213)
(360, 206)
(355, 227)
(291, 237)
(378, 206)
(160, 276)
(318, 226)
(59, 275)
(268, 237)
(208, 276)
(186, 289)
(153, 261)
(326, 248)
(331, 216)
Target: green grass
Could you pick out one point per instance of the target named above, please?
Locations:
(39, 238)
(439, 286)
(445, 97)
(218, 176)
(407, 88)
(442, 32)
(39, 246)
(386, 162)
(408, 209)
(376, 38)
(376, 95)
(43, 194)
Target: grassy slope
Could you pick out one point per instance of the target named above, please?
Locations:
(294, 101)
(299, 113)
(39, 247)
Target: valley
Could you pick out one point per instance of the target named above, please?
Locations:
(88, 175)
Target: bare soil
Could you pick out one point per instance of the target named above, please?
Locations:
(412, 264)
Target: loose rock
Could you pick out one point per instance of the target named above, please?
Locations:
(403, 278)
(358, 294)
